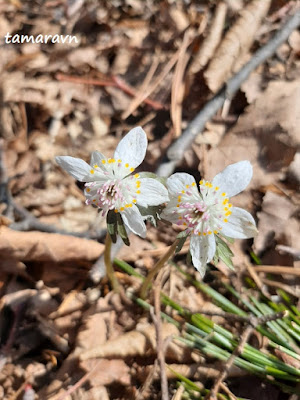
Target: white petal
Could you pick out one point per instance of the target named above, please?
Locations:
(132, 148)
(96, 158)
(134, 221)
(202, 250)
(76, 167)
(178, 181)
(240, 225)
(152, 193)
(234, 178)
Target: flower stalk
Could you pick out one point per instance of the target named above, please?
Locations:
(108, 264)
(160, 263)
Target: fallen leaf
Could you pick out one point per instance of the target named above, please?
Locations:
(41, 246)
(236, 43)
(277, 212)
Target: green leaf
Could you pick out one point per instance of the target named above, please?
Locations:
(151, 213)
(182, 236)
(223, 253)
(111, 221)
(121, 230)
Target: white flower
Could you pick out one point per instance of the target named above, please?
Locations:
(110, 184)
(208, 213)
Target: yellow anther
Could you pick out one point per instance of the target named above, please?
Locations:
(201, 182)
(119, 161)
(215, 232)
(229, 205)
(92, 171)
(224, 194)
(94, 200)
(209, 232)
(177, 205)
(204, 234)
(103, 161)
(180, 217)
(138, 184)
(111, 160)
(228, 213)
(126, 205)
(136, 176)
(225, 220)
(225, 201)
(130, 205)
(88, 189)
(134, 200)
(122, 209)
(217, 188)
(138, 191)
(199, 233)
(193, 184)
(184, 224)
(126, 165)
(187, 186)
(96, 166)
(206, 184)
(183, 191)
(179, 198)
(131, 169)
(116, 210)
(210, 185)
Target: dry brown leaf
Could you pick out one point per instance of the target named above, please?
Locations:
(276, 214)
(92, 334)
(236, 43)
(140, 342)
(41, 246)
(278, 105)
(252, 87)
(212, 40)
(266, 134)
(107, 372)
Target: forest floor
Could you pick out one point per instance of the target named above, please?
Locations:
(64, 333)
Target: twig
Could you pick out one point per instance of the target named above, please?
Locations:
(251, 326)
(177, 91)
(137, 100)
(140, 395)
(177, 149)
(156, 316)
(179, 393)
(277, 269)
(287, 288)
(288, 250)
(79, 383)
(115, 81)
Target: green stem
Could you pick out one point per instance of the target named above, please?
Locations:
(108, 264)
(160, 263)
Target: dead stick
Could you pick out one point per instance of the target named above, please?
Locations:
(177, 149)
(156, 316)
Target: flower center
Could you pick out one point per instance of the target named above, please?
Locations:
(114, 194)
(109, 193)
(203, 213)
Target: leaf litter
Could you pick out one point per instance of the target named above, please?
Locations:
(58, 99)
